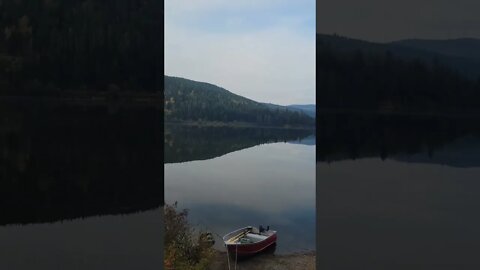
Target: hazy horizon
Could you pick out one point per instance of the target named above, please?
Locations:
(389, 20)
(396, 40)
(262, 50)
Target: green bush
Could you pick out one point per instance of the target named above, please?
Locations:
(185, 248)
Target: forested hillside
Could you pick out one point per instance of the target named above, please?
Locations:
(309, 109)
(48, 47)
(368, 76)
(461, 59)
(187, 100)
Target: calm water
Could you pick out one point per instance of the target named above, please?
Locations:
(398, 192)
(107, 242)
(230, 177)
(80, 187)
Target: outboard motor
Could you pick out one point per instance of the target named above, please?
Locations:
(268, 227)
(261, 229)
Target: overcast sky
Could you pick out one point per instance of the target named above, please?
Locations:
(261, 49)
(389, 20)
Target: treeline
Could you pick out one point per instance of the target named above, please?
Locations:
(187, 100)
(358, 79)
(50, 46)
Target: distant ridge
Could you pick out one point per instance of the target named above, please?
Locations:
(396, 77)
(309, 109)
(461, 54)
(460, 47)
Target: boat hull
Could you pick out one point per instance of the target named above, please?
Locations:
(251, 249)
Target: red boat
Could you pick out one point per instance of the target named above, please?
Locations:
(249, 240)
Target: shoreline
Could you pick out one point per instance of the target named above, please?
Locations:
(415, 113)
(126, 100)
(233, 125)
(294, 261)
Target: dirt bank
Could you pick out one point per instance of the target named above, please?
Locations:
(305, 261)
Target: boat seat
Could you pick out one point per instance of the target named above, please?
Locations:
(246, 240)
(256, 237)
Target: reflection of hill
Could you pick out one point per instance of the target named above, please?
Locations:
(351, 136)
(186, 143)
(463, 152)
(63, 163)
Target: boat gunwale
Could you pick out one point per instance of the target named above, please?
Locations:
(248, 244)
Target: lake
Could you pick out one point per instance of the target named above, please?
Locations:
(234, 177)
(398, 192)
(80, 186)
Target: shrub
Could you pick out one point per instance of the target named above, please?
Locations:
(185, 248)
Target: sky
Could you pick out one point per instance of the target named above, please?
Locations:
(260, 49)
(390, 20)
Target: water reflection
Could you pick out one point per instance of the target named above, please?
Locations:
(351, 136)
(96, 243)
(62, 162)
(398, 192)
(188, 143)
(463, 152)
(64, 171)
(270, 184)
(388, 214)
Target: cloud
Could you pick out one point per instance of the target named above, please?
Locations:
(257, 49)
